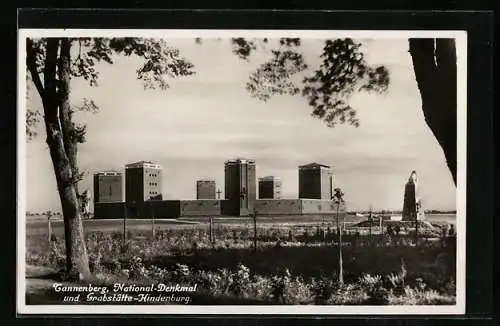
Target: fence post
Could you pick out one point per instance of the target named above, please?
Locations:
(416, 230)
(153, 221)
(370, 219)
(125, 225)
(211, 229)
(49, 228)
(254, 216)
(381, 230)
(341, 265)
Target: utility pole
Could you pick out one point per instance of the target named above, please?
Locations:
(254, 216)
(381, 227)
(211, 229)
(341, 267)
(49, 216)
(50, 229)
(370, 219)
(416, 230)
(125, 223)
(323, 230)
(339, 199)
(153, 230)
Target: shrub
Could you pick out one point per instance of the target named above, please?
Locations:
(143, 258)
(137, 269)
(420, 297)
(260, 287)
(278, 285)
(369, 282)
(95, 262)
(181, 273)
(323, 289)
(349, 294)
(240, 280)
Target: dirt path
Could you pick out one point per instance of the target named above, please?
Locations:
(39, 281)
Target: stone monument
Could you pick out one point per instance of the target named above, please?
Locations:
(412, 205)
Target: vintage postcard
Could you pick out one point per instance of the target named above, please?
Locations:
(241, 172)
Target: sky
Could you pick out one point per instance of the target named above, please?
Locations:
(201, 121)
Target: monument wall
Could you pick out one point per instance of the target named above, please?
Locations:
(201, 207)
(208, 207)
(278, 206)
(162, 209)
(317, 206)
(109, 210)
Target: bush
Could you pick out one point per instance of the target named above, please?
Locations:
(323, 289)
(420, 297)
(180, 255)
(349, 294)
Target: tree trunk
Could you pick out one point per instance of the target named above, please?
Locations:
(65, 111)
(435, 66)
(77, 263)
(76, 240)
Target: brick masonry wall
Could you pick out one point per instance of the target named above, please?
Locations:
(179, 208)
(202, 207)
(278, 206)
(315, 206)
(109, 210)
(161, 209)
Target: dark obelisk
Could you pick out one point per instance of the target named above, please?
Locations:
(412, 206)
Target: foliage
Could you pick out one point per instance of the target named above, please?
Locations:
(161, 63)
(197, 240)
(170, 258)
(274, 76)
(343, 71)
(51, 64)
(338, 196)
(33, 117)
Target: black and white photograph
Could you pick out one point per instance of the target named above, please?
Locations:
(241, 171)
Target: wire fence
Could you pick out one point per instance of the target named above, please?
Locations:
(263, 231)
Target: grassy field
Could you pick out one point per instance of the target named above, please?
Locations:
(38, 225)
(295, 262)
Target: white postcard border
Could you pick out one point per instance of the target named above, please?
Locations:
(458, 308)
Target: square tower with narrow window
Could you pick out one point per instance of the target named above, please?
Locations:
(108, 187)
(142, 182)
(315, 181)
(240, 187)
(269, 187)
(205, 189)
